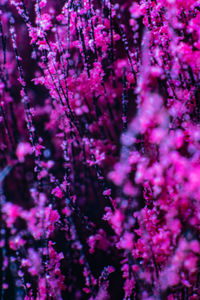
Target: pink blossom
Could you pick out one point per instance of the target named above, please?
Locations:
(22, 150)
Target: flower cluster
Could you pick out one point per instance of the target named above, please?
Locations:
(99, 149)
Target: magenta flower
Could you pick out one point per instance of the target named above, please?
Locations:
(100, 149)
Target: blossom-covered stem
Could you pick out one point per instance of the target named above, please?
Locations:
(7, 129)
(24, 92)
(3, 41)
(3, 247)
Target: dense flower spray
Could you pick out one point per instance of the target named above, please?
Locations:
(100, 149)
